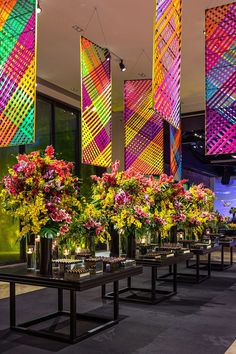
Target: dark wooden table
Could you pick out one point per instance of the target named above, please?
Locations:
(222, 264)
(20, 275)
(154, 295)
(198, 277)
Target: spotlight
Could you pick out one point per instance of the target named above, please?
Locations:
(122, 65)
(39, 9)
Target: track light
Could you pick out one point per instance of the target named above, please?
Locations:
(122, 65)
(39, 9)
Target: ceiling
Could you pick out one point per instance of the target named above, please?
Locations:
(127, 27)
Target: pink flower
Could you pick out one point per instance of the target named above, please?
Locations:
(63, 229)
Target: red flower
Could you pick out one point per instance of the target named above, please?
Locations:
(49, 151)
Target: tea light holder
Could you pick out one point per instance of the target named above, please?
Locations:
(30, 258)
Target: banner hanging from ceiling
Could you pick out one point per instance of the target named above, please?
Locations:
(175, 153)
(221, 80)
(17, 72)
(166, 60)
(143, 129)
(96, 104)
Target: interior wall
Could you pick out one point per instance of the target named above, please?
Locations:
(118, 138)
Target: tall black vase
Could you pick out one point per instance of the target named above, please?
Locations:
(131, 246)
(115, 242)
(45, 256)
(173, 234)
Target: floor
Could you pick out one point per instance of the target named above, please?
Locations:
(201, 319)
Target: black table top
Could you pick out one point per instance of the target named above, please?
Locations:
(20, 275)
(202, 251)
(228, 243)
(164, 262)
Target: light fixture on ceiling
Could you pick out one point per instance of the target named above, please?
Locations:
(39, 9)
(234, 156)
(122, 65)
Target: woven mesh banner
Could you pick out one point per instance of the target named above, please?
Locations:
(143, 129)
(166, 60)
(175, 153)
(17, 71)
(221, 80)
(96, 104)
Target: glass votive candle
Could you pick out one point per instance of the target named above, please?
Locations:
(30, 258)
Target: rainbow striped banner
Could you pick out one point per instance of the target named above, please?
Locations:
(144, 134)
(221, 80)
(175, 153)
(166, 60)
(96, 104)
(17, 71)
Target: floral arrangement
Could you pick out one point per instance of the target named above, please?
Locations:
(122, 197)
(42, 192)
(131, 201)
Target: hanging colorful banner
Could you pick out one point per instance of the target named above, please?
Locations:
(166, 60)
(175, 153)
(17, 71)
(143, 129)
(221, 80)
(96, 104)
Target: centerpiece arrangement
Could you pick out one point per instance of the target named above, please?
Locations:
(42, 192)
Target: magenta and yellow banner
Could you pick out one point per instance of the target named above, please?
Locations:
(166, 60)
(143, 129)
(175, 153)
(221, 80)
(17, 71)
(96, 104)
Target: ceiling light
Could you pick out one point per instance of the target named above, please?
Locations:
(122, 65)
(234, 156)
(39, 9)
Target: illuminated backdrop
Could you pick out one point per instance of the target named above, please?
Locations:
(175, 153)
(17, 71)
(96, 104)
(143, 129)
(221, 80)
(166, 60)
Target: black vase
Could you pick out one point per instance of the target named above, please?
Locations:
(45, 256)
(115, 242)
(173, 234)
(131, 246)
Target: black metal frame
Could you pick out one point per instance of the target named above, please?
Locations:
(156, 295)
(197, 277)
(72, 314)
(19, 275)
(219, 266)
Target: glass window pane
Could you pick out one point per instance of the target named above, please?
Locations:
(9, 247)
(65, 134)
(43, 119)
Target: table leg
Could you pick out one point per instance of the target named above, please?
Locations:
(187, 264)
(72, 315)
(231, 255)
(209, 264)
(222, 257)
(154, 277)
(12, 305)
(103, 290)
(116, 300)
(60, 300)
(197, 267)
(175, 278)
(170, 269)
(129, 282)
